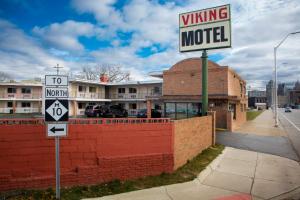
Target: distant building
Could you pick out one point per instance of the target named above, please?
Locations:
(269, 93)
(294, 95)
(281, 89)
(257, 99)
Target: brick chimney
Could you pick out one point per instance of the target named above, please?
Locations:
(104, 78)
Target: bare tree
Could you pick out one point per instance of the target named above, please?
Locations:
(4, 76)
(114, 73)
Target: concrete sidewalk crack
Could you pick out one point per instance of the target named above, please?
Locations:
(254, 174)
(167, 193)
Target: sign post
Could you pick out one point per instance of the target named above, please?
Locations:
(56, 112)
(202, 30)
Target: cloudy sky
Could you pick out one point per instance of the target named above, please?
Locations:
(142, 36)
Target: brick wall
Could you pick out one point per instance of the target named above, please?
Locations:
(191, 136)
(97, 151)
(179, 79)
(92, 153)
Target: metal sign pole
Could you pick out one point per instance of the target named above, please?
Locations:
(57, 161)
(57, 169)
(204, 82)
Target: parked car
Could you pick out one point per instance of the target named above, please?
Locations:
(112, 111)
(143, 113)
(288, 109)
(92, 111)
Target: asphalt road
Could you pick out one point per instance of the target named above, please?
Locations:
(284, 145)
(276, 145)
(291, 124)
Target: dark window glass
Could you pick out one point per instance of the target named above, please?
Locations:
(121, 90)
(181, 111)
(26, 90)
(92, 89)
(25, 104)
(132, 90)
(81, 88)
(156, 90)
(80, 105)
(9, 104)
(11, 90)
(170, 110)
(132, 106)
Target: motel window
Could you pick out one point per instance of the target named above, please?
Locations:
(11, 90)
(9, 104)
(156, 90)
(170, 110)
(132, 106)
(132, 90)
(25, 105)
(232, 108)
(181, 110)
(92, 89)
(81, 88)
(194, 109)
(26, 90)
(121, 90)
(81, 105)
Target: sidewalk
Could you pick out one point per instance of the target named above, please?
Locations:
(262, 125)
(235, 175)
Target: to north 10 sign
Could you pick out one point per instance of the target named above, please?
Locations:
(205, 29)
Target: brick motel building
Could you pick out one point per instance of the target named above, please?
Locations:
(182, 88)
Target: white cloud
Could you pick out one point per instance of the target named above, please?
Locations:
(65, 35)
(21, 55)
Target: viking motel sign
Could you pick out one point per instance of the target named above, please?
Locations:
(205, 29)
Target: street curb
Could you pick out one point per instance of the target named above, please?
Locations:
(211, 167)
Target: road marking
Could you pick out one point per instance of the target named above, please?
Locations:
(290, 122)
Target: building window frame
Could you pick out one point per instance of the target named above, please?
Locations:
(92, 89)
(26, 90)
(121, 90)
(26, 104)
(81, 88)
(132, 90)
(11, 90)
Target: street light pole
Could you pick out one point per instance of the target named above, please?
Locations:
(275, 66)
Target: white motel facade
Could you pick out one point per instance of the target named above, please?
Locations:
(27, 97)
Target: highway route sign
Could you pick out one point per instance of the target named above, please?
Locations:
(57, 110)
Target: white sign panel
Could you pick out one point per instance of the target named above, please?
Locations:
(56, 80)
(205, 29)
(56, 130)
(52, 92)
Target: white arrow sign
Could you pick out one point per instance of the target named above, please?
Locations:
(56, 130)
(56, 110)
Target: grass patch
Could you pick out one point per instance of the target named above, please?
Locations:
(253, 114)
(186, 173)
